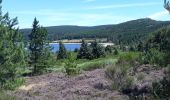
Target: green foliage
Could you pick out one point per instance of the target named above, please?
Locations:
(119, 75)
(13, 84)
(93, 51)
(131, 32)
(85, 51)
(97, 50)
(62, 53)
(116, 52)
(109, 49)
(153, 56)
(161, 90)
(132, 48)
(39, 48)
(71, 65)
(91, 65)
(128, 58)
(167, 58)
(119, 72)
(12, 54)
(157, 48)
(140, 47)
(76, 50)
(160, 40)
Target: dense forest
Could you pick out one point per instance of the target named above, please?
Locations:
(126, 33)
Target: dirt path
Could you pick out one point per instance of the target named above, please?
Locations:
(90, 85)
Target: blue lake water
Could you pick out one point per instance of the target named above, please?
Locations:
(68, 46)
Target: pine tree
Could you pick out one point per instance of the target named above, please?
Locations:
(39, 48)
(62, 53)
(140, 47)
(97, 50)
(109, 49)
(116, 52)
(85, 51)
(12, 54)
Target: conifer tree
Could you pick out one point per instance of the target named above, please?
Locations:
(62, 53)
(39, 48)
(85, 51)
(12, 54)
(97, 50)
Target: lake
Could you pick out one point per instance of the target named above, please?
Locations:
(72, 46)
(68, 46)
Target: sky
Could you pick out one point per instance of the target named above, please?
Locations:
(83, 12)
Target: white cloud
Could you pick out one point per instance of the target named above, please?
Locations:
(124, 5)
(157, 15)
(53, 18)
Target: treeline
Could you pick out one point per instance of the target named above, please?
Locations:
(155, 49)
(128, 33)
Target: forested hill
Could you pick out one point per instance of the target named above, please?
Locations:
(127, 32)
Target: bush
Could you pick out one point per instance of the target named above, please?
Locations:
(153, 56)
(76, 50)
(71, 65)
(92, 66)
(109, 49)
(116, 52)
(167, 59)
(97, 64)
(12, 84)
(161, 90)
(128, 58)
(120, 77)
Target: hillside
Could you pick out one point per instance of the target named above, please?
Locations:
(127, 33)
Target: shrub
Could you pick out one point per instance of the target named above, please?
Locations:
(167, 59)
(116, 52)
(108, 49)
(71, 65)
(92, 65)
(76, 50)
(128, 58)
(161, 90)
(97, 64)
(12, 84)
(120, 77)
(153, 56)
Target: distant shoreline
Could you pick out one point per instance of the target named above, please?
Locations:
(104, 44)
(64, 43)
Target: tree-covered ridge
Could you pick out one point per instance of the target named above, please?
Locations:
(160, 39)
(125, 33)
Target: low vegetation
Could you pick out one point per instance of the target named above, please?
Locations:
(161, 89)
(5, 96)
